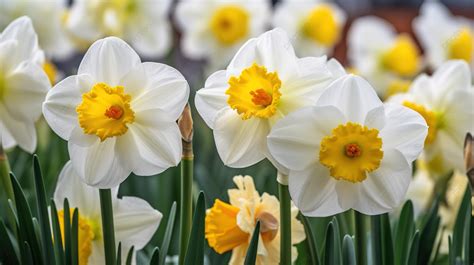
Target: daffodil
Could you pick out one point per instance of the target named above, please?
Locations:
(445, 100)
(444, 36)
(264, 82)
(348, 151)
(387, 59)
(315, 26)
(118, 114)
(47, 19)
(230, 226)
(215, 29)
(23, 85)
(135, 221)
(142, 23)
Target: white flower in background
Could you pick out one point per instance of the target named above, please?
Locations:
(23, 85)
(420, 191)
(264, 82)
(444, 36)
(215, 29)
(387, 59)
(349, 151)
(142, 23)
(135, 221)
(315, 26)
(47, 17)
(446, 102)
(118, 114)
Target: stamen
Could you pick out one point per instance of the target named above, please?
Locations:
(261, 97)
(353, 150)
(114, 112)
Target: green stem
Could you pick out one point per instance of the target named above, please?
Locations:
(108, 226)
(285, 219)
(186, 209)
(5, 174)
(360, 238)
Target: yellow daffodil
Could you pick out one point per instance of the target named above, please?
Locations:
(23, 85)
(229, 226)
(315, 26)
(135, 221)
(349, 151)
(118, 114)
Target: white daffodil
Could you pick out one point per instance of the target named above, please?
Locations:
(420, 192)
(118, 114)
(446, 101)
(348, 151)
(47, 17)
(264, 82)
(444, 36)
(215, 29)
(142, 23)
(389, 61)
(315, 26)
(23, 85)
(135, 221)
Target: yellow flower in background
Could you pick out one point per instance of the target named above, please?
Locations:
(135, 221)
(229, 226)
(387, 59)
(445, 100)
(215, 29)
(444, 36)
(142, 23)
(315, 26)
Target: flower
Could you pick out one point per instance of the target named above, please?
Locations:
(230, 226)
(444, 36)
(47, 17)
(315, 26)
(389, 61)
(420, 192)
(215, 29)
(135, 221)
(264, 82)
(142, 23)
(118, 114)
(348, 151)
(445, 102)
(23, 85)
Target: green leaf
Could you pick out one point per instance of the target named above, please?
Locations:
(27, 258)
(155, 257)
(43, 216)
(404, 233)
(387, 248)
(310, 241)
(119, 254)
(348, 251)
(376, 233)
(251, 256)
(167, 237)
(413, 251)
(460, 247)
(67, 231)
(195, 250)
(130, 256)
(8, 254)
(332, 248)
(428, 234)
(75, 237)
(58, 241)
(25, 222)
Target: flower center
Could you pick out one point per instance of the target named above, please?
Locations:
(398, 86)
(50, 69)
(105, 111)
(351, 151)
(229, 24)
(430, 118)
(86, 234)
(222, 232)
(254, 93)
(321, 26)
(462, 45)
(403, 58)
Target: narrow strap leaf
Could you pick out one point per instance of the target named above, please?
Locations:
(168, 233)
(251, 257)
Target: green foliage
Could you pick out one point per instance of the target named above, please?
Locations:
(195, 251)
(251, 256)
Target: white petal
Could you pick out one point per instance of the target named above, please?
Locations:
(459, 114)
(22, 132)
(405, 130)
(108, 60)
(59, 108)
(451, 150)
(212, 98)
(78, 137)
(135, 222)
(6, 137)
(152, 41)
(295, 140)
(385, 188)
(449, 77)
(239, 142)
(164, 88)
(351, 94)
(98, 165)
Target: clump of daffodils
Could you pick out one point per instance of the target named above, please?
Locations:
(229, 226)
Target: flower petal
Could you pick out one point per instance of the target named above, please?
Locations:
(22, 133)
(152, 41)
(212, 98)
(449, 77)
